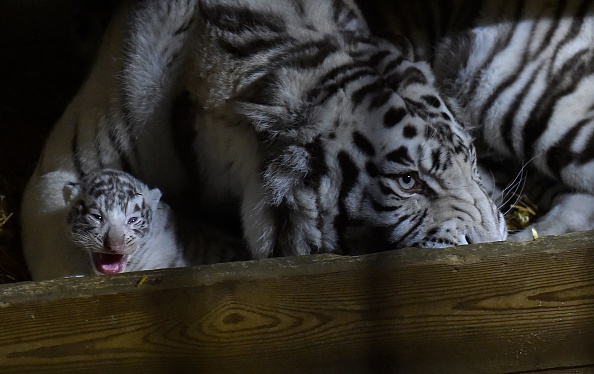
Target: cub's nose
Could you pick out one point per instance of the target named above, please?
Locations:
(113, 244)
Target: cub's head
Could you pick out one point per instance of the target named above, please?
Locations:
(110, 216)
(363, 153)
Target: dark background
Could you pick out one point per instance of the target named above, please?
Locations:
(46, 47)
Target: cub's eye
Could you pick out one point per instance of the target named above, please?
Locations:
(97, 216)
(132, 220)
(409, 182)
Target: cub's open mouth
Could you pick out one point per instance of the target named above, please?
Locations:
(108, 263)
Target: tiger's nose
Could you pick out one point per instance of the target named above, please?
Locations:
(486, 233)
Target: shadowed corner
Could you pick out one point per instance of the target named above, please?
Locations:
(12, 263)
(383, 356)
(47, 47)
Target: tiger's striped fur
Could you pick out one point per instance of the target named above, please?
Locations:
(328, 136)
(524, 72)
(331, 139)
(118, 119)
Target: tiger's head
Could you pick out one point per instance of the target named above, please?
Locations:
(363, 153)
(110, 217)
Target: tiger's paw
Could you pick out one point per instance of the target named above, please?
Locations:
(571, 212)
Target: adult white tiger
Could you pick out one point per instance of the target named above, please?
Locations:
(327, 136)
(524, 72)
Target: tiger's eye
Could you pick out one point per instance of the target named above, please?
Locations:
(407, 182)
(132, 220)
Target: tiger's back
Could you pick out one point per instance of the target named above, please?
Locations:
(523, 72)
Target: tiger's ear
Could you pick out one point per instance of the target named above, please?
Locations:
(152, 197)
(272, 110)
(256, 101)
(403, 44)
(70, 192)
(350, 19)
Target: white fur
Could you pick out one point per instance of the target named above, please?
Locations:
(530, 81)
(52, 254)
(231, 155)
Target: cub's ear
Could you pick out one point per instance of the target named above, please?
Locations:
(152, 197)
(71, 191)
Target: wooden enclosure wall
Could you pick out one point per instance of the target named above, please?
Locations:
(490, 308)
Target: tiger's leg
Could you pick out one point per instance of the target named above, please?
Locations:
(558, 209)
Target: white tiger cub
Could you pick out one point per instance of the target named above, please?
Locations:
(121, 223)
(114, 121)
(114, 223)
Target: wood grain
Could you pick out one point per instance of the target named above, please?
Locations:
(500, 307)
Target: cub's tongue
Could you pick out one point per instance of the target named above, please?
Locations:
(109, 263)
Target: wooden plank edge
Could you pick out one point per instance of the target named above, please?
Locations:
(496, 307)
(270, 268)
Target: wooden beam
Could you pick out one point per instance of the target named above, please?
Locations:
(497, 307)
